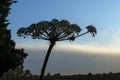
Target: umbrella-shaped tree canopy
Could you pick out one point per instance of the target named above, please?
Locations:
(54, 30)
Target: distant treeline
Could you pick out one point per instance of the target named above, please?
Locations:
(90, 76)
(21, 74)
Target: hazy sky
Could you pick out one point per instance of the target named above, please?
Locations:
(86, 53)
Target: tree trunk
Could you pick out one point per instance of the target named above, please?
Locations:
(46, 60)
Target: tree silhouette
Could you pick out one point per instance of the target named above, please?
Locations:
(53, 31)
(10, 58)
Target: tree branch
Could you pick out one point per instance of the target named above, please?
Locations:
(74, 37)
(82, 34)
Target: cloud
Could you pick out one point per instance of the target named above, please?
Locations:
(70, 62)
(91, 48)
(70, 58)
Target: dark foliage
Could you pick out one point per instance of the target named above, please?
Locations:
(10, 57)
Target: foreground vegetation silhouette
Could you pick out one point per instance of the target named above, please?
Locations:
(53, 31)
(10, 58)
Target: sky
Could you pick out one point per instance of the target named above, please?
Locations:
(86, 54)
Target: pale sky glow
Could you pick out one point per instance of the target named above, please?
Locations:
(89, 48)
(103, 14)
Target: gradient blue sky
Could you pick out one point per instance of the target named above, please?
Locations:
(85, 54)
